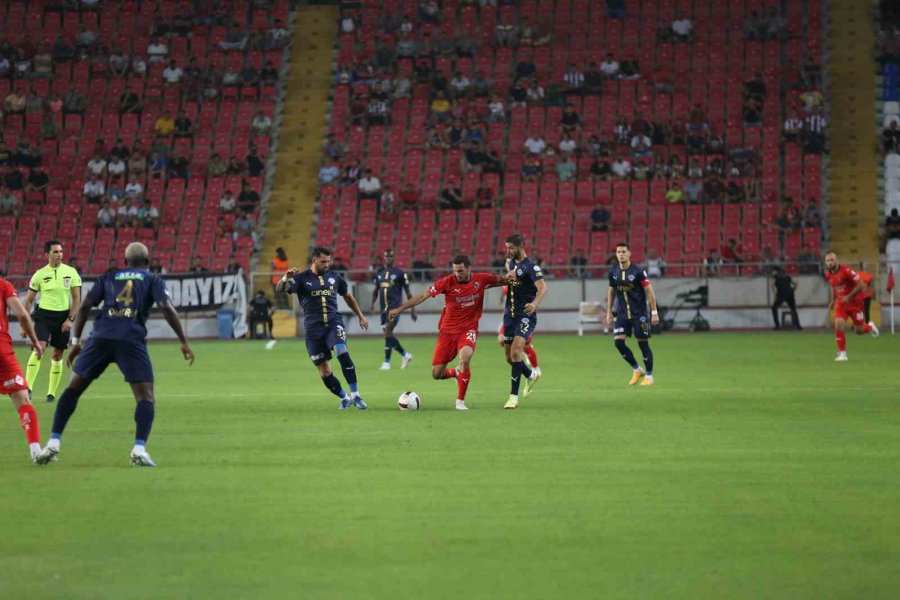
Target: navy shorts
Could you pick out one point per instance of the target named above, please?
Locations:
(320, 342)
(384, 317)
(639, 326)
(522, 326)
(131, 357)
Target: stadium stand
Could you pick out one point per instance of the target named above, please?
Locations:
(678, 85)
(224, 72)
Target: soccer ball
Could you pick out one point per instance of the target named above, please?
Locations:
(409, 401)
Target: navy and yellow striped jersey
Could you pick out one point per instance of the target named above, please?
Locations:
(391, 283)
(629, 285)
(318, 296)
(523, 290)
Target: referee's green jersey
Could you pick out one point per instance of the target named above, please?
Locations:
(55, 286)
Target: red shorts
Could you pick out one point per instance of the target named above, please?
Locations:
(853, 312)
(11, 378)
(449, 345)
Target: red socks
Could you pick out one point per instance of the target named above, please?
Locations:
(449, 374)
(532, 355)
(841, 338)
(30, 423)
(867, 328)
(462, 383)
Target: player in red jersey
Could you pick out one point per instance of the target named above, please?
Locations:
(12, 381)
(847, 302)
(458, 327)
(531, 358)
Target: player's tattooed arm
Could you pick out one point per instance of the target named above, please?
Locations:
(541, 286)
(651, 298)
(410, 303)
(354, 306)
(283, 282)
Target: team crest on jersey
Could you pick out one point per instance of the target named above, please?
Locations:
(631, 278)
(67, 281)
(331, 280)
(393, 277)
(477, 285)
(518, 271)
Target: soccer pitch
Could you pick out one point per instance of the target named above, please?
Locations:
(756, 467)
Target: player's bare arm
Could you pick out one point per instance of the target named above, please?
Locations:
(29, 300)
(282, 283)
(830, 298)
(610, 294)
(409, 295)
(374, 298)
(76, 302)
(27, 325)
(651, 299)
(171, 317)
(81, 317)
(354, 306)
(410, 303)
(531, 307)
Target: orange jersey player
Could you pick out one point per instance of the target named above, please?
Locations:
(458, 326)
(847, 302)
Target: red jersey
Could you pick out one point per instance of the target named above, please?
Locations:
(843, 281)
(6, 291)
(464, 302)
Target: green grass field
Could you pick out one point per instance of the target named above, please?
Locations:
(755, 468)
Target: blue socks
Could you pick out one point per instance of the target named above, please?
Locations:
(644, 345)
(518, 370)
(333, 385)
(627, 354)
(143, 418)
(65, 407)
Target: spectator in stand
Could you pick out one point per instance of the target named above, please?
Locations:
(334, 149)
(600, 219)
(138, 66)
(14, 179)
(137, 163)
(712, 265)
(578, 265)
(97, 166)
(566, 169)
(329, 173)
(532, 168)
(890, 137)
(451, 196)
(227, 203)
(792, 128)
(49, 129)
(351, 173)
(813, 135)
(734, 192)
(184, 128)
(268, 75)
(157, 51)
(609, 67)
(248, 77)
(621, 168)
(244, 228)
(732, 252)
(178, 166)
(156, 165)
(235, 167)
(216, 166)
(235, 39)
(62, 50)
(693, 190)
(568, 145)
(106, 216)
(573, 80)
(134, 188)
(535, 144)
(248, 199)
(9, 202)
(255, 164)
(682, 27)
(15, 102)
(369, 186)
(809, 261)
(130, 102)
(197, 266)
(377, 112)
(440, 108)
(655, 265)
(127, 215)
(277, 37)
(93, 190)
(85, 40)
(155, 267)
(506, 32)
(116, 169)
(172, 74)
(641, 145)
(593, 79)
(601, 170)
(752, 112)
(571, 121)
(755, 88)
(713, 190)
(387, 204)
(409, 197)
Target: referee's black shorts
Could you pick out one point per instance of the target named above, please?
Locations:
(48, 326)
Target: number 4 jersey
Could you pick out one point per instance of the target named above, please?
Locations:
(125, 299)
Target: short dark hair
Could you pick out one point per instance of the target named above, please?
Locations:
(320, 251)
(49, 244)
(516, 239)
(623, 245)
(461, 259)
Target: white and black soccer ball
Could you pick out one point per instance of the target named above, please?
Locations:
(409, 401)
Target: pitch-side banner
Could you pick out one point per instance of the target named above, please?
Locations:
(204, 292)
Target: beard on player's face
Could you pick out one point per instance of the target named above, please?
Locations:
(463, 276)
(320, 265)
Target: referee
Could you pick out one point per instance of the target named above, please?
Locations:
(60, 289)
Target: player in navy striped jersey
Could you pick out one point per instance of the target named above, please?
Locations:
(630, 290)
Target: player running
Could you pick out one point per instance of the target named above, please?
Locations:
(60, 289)
(526, 291)
(390, 282)
(458, 326)
(13, 383)
(530, 359)
(317, 289)
(119, 336)
(628, 284)
(847, 302)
